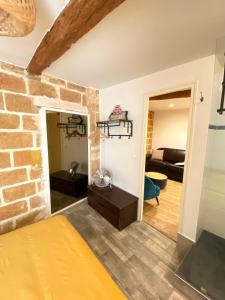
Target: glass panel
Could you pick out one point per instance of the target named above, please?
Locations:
(203, 267)
(214, 176)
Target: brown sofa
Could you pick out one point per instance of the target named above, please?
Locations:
(168, 165)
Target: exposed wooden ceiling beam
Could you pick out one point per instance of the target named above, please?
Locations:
(173, 95)
(77, 18)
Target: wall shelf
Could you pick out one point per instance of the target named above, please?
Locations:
(106, 125)
(79, 129)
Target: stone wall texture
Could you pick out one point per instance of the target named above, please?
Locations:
(149, 132)
(22, 189)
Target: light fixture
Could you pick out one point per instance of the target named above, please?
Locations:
(171, 105)
(17, 17)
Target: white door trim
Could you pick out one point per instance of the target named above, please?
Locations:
(192, 111)
(44, 147)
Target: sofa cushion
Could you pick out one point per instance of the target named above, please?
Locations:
(173, 155)
(157, 154)
(180, 164)
(160, 163)
(176, 169)
(171, 170)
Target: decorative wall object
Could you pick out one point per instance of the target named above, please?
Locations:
(17, 17)
(75, 123)
(118, 114)
(117, 119)
(106, 125)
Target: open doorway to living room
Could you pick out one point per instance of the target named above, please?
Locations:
(168, 121)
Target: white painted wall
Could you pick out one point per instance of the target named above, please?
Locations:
(170, 128)
(74, 149)
(123, 157)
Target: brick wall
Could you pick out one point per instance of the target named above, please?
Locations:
(22, 189)
(150, 132)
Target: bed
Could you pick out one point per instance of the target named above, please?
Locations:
(49, 260)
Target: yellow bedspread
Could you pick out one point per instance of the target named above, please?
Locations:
(50, 261)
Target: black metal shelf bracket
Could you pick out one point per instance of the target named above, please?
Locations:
(222, 109)
(74, 129)
(106, 125)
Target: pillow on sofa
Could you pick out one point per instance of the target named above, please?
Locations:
(181, 164)
(157, 154)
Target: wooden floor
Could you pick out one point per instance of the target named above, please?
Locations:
(60, 200)
(165, 217)
(140, 259)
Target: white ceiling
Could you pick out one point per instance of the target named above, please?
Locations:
(170, 104)
(137, 38)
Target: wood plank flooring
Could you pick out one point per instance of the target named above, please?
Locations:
(60, 200)
(165, 217)
(140, 259)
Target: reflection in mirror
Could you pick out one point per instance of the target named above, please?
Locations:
(68, 158)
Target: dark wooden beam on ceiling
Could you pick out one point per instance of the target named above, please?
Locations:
(77, 18)
(173, 95)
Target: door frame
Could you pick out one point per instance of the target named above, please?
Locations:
(44, 150)
(190, 134)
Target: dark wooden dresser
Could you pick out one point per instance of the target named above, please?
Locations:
(63, 182)
(116, 205)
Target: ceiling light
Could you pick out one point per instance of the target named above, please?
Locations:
(171, 105)
(17, 17)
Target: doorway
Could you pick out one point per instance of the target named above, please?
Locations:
(66, 165)
(168, 131)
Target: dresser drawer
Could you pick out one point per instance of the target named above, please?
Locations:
(117, 206)
(104, 208)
